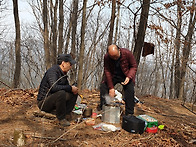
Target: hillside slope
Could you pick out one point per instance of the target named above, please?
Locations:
(18, 106)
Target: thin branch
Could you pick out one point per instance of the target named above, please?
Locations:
(5, 84)
(191, 69)
(188, 109)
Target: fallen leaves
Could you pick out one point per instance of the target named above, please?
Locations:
(178, 131)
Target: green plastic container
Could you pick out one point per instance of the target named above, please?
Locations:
(150, 121)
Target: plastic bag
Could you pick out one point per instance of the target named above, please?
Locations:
(106, 127)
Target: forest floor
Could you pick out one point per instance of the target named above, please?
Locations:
(17, 108)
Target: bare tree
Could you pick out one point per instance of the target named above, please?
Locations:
(141, 30)
(53, 11)
(172, 70)
(187, 48)
(60, 28)
(46, 35)
(93, 62)
(82, 46)
(110, 37)
(17, 45)
(68, 34)
(177, 47)
(74, 19)
(117, 24)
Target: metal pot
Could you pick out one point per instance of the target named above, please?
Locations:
(87, 112)
(111, 114)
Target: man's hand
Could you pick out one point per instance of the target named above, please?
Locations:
(126, 81)
(112, 92)
(74, 89)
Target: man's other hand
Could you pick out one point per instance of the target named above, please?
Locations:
(112, 92)
(126, 81)
(74, 89)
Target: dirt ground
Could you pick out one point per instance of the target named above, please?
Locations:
(17, 109)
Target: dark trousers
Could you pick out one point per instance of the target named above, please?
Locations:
(61, 101)
(128, 94)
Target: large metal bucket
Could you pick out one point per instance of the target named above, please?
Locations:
(111, 114)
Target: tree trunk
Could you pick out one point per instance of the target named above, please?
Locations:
(110, 37)
(61, 21)
(163, 81)
(82, 46)
(187, 49)
(156, 70)
(177, 48)
(68, 35)
(117, 24)
(46, 42)
(73, 36)
(141, 30)
(74, 26)
(171, 95)
(54, 31)
(17, 46)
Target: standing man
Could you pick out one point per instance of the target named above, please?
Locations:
(119, 67)
(55, 93)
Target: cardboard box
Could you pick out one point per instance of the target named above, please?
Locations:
(150, 121)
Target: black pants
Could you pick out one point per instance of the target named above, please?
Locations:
(128, 94)
(61, 101)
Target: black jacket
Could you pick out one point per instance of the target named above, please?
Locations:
(51, 76)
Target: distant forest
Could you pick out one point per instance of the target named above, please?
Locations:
(85, 28)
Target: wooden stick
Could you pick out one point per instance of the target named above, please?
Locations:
(188, 109)
(50, 138)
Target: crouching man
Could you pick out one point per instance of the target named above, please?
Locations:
(55, 93)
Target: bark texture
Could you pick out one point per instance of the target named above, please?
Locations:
(17, 46)
(141, 30)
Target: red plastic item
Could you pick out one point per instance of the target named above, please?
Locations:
(94, 115)
(152, 130)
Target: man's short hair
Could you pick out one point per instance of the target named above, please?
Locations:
(65, 58)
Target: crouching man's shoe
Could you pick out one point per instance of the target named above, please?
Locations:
(64, 123)
(129, 115)
(99, 107)
(69, 116)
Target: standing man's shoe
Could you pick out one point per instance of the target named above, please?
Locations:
(129, 115)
